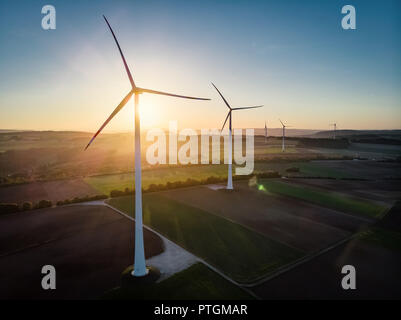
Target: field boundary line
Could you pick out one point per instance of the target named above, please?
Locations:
(302, 260)
(197, 258)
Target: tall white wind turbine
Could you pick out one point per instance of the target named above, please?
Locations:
(284, 126)
(230, 141)
(139, 263)
(334, 129)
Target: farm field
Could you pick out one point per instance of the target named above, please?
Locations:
(365, 150)
(49, 190)
(238, 252)
(376, 256)
(333, 200)
(307, 169)
(261, 150)
(107, 183)
(299, 224)
(80, 187)
(383, 191)
(363, 169)
(89, 246)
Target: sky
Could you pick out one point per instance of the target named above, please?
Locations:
(291, 56)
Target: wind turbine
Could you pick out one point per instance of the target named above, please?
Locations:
(335, 129)
(230, 146)
(284, 126)
(139, 263)
(265, 133)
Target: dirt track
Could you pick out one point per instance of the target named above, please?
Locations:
(88, 245)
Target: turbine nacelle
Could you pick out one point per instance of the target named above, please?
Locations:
(231, 109)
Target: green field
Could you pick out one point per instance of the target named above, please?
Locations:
(325, 198)
(306, 169)
(240, 253)
(106, 183)
(261, 150)
(197, 282)
(381, 237)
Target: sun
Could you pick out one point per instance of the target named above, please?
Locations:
(151, 113)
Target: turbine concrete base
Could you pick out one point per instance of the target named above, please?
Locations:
(128, 280)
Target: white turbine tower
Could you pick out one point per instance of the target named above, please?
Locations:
(139, 263)
(230, 141)
(284, 126)
(265, 133)
(334, 129)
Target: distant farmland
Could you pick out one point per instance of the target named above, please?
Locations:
(107, 183)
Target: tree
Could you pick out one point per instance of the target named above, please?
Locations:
(27, 206)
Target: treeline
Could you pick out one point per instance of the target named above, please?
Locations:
(6, 208)
(191, 182)
(81, 199)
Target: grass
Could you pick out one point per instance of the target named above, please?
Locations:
(381, 237)
(326, 198)
(307, 169)
(313, 169)
(240, 253)
(197, 282)
(261, 150)
(106, 183)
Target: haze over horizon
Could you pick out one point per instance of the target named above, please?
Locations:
(295, 59)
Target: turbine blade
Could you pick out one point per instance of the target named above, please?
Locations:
(247, 108)
(225, 101)
(116, 110)
(169, 94)
(281, 122)
(228, 114)
(122, 55)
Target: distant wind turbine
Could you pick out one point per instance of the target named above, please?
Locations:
(335, 129)
(230, 147)
(265, 133)
(284, 126)
(139, 263)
